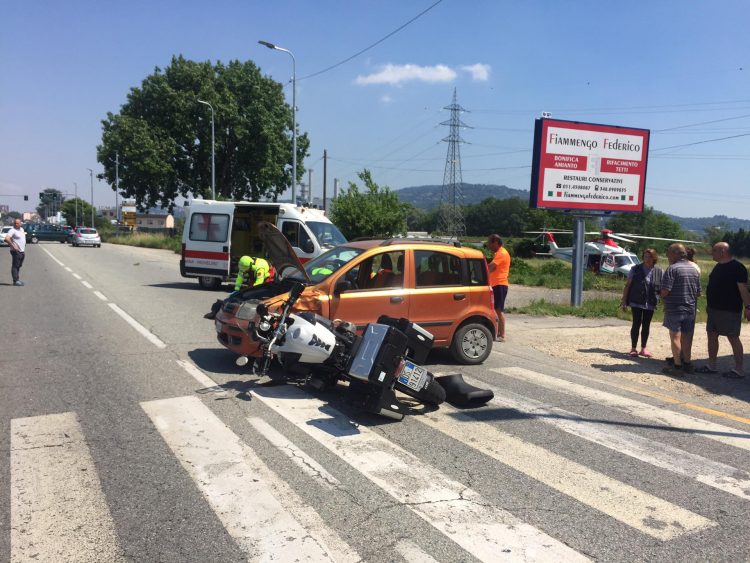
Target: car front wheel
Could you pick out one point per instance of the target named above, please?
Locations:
(34, 240)
(472, 344)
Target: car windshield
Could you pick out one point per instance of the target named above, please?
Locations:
(326, 233)
(326, 264)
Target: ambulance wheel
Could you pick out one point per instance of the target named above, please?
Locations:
(209, 282)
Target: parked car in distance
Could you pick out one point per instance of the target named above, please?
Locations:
(86, 236)
(36, 232)
(3, 232)
(443, 287)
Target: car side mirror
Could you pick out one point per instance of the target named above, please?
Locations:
(342, 286)
(309, 247)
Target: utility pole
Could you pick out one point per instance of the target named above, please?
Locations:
(325, 177)
(92, 196)
(309, 186)
(117, 187)
(76, 201)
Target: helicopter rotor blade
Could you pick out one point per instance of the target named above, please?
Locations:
(662, 238)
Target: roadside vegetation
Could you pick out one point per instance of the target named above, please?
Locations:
(147, 240)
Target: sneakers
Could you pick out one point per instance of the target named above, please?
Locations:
(499, 339)
(18, 282)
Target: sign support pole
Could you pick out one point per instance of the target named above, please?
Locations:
(576, 286)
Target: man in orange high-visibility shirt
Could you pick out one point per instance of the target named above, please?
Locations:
(499, 268)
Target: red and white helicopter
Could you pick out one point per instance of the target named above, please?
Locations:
(603, 254)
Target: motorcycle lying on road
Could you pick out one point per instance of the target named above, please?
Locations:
(322, 352)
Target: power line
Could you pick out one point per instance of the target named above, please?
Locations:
(699, 142)
(378, 42)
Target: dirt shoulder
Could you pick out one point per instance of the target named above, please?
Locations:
(603, 344)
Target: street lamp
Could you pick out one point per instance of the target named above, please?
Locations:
(92, 196)
(294, 118)
(76, 202)
(213, 151)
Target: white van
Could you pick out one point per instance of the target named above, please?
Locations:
(218, 233)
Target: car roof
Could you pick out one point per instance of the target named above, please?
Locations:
(414, 243)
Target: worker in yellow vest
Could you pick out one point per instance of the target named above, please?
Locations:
(256, 269)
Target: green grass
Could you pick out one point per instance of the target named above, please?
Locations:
(148, 240)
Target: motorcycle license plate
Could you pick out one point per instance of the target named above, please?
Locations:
(413, 376)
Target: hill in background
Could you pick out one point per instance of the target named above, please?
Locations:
(428, 197)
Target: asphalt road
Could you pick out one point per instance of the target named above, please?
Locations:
(128, 434)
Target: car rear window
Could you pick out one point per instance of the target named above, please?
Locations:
(87, 231)
(477, 271)
(437, 268)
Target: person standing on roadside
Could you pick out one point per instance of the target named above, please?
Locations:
(680, 288)
(16, 240)
(499, 268)
(690, 252)
(641, 295)
(725, 295)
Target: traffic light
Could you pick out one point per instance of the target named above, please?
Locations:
(26, 198)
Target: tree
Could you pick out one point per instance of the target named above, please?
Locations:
(376, 212)
(50, 201)
(163, 135)
(84, 212)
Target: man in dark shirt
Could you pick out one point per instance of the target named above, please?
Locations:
(725, 295)
(680, 288)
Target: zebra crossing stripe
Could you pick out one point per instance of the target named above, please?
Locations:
(707, 471)
(640, 510)
(58, 511)
(672, 419)
(260, 511)
(459, 512)
(306, 463)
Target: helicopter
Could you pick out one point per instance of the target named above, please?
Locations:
(602, 255)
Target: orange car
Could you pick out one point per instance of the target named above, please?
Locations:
(441, 286)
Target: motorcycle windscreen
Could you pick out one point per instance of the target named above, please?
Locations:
(280, 253)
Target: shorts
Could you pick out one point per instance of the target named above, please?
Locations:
(725, 323)
(500, 292)
(679, 322)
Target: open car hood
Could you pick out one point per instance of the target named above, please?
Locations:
(280, 253)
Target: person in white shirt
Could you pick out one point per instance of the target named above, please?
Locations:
(16, 239)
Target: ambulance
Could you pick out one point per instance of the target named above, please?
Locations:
(218, 233)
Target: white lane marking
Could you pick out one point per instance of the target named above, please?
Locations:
(412, 553)
(209, 384)
(260, 511)
(69, 269)
(51, 256)
(640, 510)
(306, 463)
(58, 511)
(87, 285)
(459, 512)
(707, 471)
(683, 422)
(76, 276)
(100, 295)
(138, 326)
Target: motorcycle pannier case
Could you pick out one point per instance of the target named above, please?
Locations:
(378, 354)
(419, 340)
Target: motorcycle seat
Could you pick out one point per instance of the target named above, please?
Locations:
(461, 394)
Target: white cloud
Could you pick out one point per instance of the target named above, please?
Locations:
(396, 74)
(478, 71)
(387, 99)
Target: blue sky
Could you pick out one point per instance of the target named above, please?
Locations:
(680, 69)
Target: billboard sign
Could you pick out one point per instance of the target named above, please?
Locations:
(588, 167)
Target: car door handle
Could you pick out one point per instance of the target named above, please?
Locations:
(459, 296)
(397, 299)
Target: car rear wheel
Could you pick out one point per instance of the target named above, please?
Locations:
(472, 344)
(208, 282)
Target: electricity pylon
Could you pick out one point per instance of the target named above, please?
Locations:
(451, 220)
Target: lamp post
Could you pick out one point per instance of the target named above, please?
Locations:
(76, 202)
(117, 188)
(92, 196)
(294, 115)
(213, 151)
